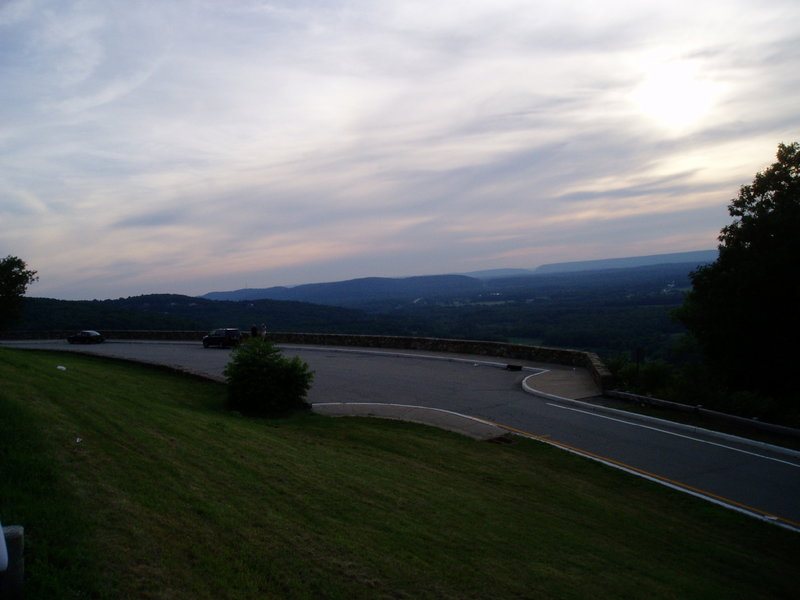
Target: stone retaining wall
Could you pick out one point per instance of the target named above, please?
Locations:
(559, 356)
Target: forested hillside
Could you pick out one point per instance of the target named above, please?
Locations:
(608, 312)
(176, 312)
(358, 292)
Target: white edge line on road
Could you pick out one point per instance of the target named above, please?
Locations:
(680, 435)
(629, 417)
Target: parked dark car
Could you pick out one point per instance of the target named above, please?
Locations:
(87, 336)
(224, 338)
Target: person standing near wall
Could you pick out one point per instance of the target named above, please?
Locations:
(12, 561)
(3, 552)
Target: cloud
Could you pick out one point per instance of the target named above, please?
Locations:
(110, 91)
(327, 140)
(161, 218)
(15, 11)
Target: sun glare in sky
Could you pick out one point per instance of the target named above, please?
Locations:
(675, 95)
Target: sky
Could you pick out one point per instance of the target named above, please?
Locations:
(193, 146)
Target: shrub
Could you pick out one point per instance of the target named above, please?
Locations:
(262, 382)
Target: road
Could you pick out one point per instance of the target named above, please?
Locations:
(756, 479)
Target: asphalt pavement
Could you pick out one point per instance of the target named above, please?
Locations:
(546, 380)
(482, 398)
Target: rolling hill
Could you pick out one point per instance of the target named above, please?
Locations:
(177, 312)
(699, 257)
(380, 293)
(357, 292)
(603, 310)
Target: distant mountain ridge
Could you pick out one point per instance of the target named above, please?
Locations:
(356, 291)
(499, 273)
(698, 256)
(361, 292)
(603, 310)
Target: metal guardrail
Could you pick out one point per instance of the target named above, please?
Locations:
(705, 412)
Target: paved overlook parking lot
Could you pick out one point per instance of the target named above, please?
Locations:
(759, 480)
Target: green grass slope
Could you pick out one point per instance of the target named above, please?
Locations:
(168, 496)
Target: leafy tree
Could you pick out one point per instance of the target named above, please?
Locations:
(15, 277)
(744, 308)
(264, 383)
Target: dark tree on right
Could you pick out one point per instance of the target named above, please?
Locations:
(744, 309)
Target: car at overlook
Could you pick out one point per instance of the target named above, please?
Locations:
(224, 338)
(87, 336)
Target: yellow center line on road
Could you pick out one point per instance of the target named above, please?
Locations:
(648, 474)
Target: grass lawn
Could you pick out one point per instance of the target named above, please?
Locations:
(133, 482)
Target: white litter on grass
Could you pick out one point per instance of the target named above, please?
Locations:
(61, 368)
(78, 440)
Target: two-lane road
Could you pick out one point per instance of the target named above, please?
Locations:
(756, 479)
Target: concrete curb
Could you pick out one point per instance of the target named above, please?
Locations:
(444, 419)
(477, 361)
